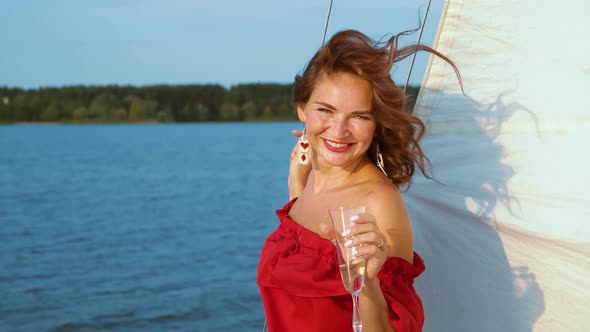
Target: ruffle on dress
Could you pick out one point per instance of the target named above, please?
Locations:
(301, 264)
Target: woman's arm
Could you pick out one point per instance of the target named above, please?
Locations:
(391, 224)
(374, 310)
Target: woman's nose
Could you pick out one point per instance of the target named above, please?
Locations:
(339, 127)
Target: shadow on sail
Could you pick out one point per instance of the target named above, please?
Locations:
(469, 284)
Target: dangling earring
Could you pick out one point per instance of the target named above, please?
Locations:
(303, 150)
(380, 160)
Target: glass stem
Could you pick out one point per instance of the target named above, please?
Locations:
(357, 324)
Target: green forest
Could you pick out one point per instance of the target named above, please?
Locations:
(157, 103)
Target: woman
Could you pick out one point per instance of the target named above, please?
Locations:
(362, 147)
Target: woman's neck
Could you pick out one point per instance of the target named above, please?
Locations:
(329, 178)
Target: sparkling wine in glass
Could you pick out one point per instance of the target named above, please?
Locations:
(352, 268)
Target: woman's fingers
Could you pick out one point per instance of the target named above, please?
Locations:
(369, 251)
(297, 133)
(369, 243)
(363, 218)
(327, 231)
(362, 226)
(365, 239)
(365, 235)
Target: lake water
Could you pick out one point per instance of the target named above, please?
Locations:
(137, 227)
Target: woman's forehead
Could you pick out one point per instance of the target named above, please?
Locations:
(343, 90)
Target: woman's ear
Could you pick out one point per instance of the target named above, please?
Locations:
(300, 112)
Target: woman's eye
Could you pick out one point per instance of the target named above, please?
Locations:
(362, 117)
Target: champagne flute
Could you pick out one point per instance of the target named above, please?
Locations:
(352, 268)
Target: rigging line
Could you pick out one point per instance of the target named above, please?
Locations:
(327, 20)
(419, 39)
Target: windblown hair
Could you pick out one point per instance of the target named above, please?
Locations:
(397, 132)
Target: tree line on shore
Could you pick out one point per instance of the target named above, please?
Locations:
(157, 103)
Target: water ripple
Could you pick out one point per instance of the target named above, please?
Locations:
(133, 228)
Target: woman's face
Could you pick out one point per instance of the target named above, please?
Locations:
(338, 119)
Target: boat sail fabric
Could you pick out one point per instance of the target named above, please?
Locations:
(505, 232)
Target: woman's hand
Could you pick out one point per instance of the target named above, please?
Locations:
(370, 243)
(298, 173)
(367, 238)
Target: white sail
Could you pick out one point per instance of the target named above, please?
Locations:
(506, 233)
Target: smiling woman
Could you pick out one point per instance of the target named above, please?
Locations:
(363, 146)
(339, 121)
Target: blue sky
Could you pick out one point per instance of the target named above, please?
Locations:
(143, 42)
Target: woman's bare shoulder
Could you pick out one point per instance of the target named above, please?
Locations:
(383, 191)
(386, 204)
(384, 198)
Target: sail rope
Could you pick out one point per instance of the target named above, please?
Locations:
(419, 39)
(327, 21)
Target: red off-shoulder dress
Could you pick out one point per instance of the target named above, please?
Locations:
(302, 291)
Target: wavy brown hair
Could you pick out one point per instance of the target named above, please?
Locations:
(397, 133)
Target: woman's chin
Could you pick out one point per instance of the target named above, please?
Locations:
(340, 161)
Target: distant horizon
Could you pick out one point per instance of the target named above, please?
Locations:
(161, 103)
(156, 84)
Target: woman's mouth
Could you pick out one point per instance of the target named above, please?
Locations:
(336, 146)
